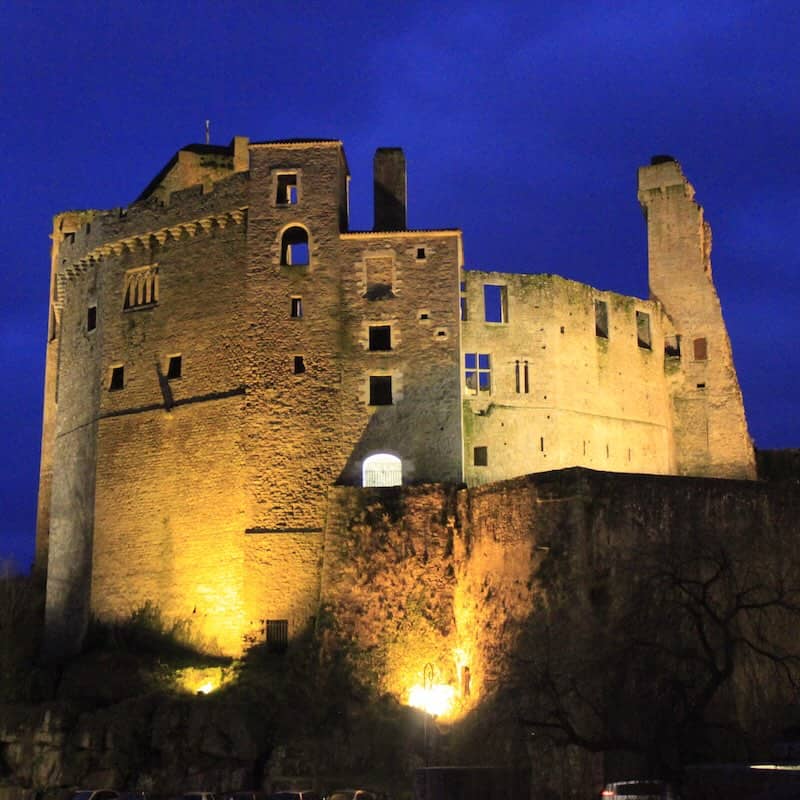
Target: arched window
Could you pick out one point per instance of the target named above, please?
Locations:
(382, 469)
(294, 247)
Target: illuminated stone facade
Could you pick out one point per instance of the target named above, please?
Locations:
(225, 350)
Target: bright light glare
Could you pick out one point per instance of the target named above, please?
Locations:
(436, 700)
(206, 688)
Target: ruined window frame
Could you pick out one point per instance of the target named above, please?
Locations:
(644, 336)
(477, 373)
(282, 186)
(601, 319)
(294, 235)
(500, 304)
(116, 378)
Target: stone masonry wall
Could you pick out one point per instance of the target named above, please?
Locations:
(559, 394)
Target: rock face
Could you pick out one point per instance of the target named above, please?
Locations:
(154, 742)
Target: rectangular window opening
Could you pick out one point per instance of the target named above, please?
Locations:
(643, 330)
(495, 302)
(700, 349)
(516, 376)
(277, 635)
(91, 318)
(117, 381)
(380, 337)
(526, 381)
(287, 190)
(174, 367)
(297, 308)
(477, 372)
(672, 346)
(420, 253)
(601, 319)
(299, 365)
(464, 315)
(480, 456)
(380, 390)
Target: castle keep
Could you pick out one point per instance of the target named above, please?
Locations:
(225, 350)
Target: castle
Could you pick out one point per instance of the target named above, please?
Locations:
(225, 350)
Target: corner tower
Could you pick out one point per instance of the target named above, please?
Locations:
(710, 434)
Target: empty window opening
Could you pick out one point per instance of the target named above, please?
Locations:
(601, 319)
(174, 367)
(117, 381)
(700, 349)
(526, 386)
(541, 444)
(495, 303)
(424, 315)
(382, 469)
(420, 253)
(91, 318)
(294, 247)
(672, 346)
(380, 390)
(141, 287)
(463, 286)
(277, 635)
(464, 314)
(287, 190)
(297, 308)
(477, 372)
(701, 386)
(299, 365)
(380, 337)
(480, 456)
(562, 329)
(69, 237)
(441, 333)
(517, 384)
(88, 228)
(643, 330)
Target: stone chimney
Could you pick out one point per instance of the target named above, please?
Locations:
(389, 171)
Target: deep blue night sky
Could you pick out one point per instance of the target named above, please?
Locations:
(523, 124)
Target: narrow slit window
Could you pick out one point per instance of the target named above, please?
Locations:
(526, 385)
(380, 390)
(174, 367)
(643, 330)
(117, 381)
(517, 383)
(380, 337)
(601, 319)
(299, 365)
(464, 314)
(480, 456)
(287, 190)
(91, 318)
(495, 302)
(701, 349)
(297, 308)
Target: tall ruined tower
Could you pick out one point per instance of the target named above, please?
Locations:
(709, 427)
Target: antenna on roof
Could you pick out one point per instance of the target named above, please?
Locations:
(208, 131)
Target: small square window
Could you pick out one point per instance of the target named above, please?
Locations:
(297, 308)
(117, 381)
(91, 318)
(299, 365)
(174, 367)
(480, 456)
(380, 390)
(380, 337)
(287, 190)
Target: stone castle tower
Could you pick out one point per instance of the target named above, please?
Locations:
(224, 350)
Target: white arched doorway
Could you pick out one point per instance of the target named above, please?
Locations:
(382, 469)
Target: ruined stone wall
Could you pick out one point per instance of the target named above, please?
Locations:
(560, 394)
(710, 428)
